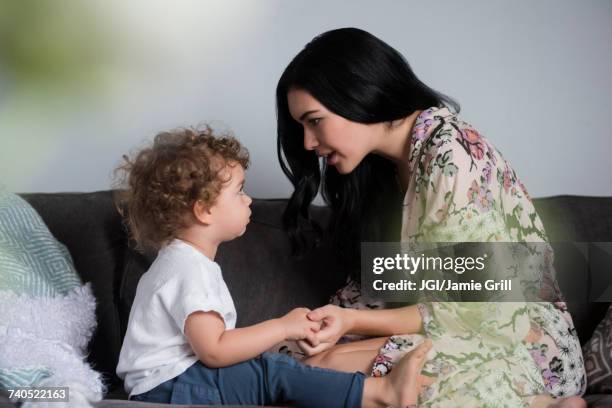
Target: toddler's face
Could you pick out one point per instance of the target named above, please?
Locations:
(232, 212)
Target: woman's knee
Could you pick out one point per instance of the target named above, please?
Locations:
(322, 359)
(327, 359)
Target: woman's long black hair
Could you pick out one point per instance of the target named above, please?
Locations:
(361, 78)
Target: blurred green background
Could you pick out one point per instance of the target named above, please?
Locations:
(84, 82)
(55, 56)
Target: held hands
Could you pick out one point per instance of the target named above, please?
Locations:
(332, 322)
(317, 330)
(298, 327)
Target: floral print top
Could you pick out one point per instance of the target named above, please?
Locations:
(459, 177)
(461, 189)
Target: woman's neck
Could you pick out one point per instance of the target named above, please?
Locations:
(395, 145)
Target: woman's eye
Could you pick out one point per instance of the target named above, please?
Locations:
(314, 121)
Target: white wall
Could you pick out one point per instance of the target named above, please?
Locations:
(533, 76)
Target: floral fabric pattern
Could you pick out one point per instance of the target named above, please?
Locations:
(461, 189)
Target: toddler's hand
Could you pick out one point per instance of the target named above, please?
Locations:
(309, 350)
(334, 324)
(298, 327)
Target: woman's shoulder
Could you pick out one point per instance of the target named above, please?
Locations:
(449, 149)
(451, 136)
(459, 172)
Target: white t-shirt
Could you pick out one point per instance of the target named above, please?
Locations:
(180, 281)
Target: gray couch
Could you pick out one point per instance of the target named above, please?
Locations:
(264, 279)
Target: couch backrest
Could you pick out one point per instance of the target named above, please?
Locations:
(265, 280)
(583, 269)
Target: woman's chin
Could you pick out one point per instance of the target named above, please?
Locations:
(343, 168)
(342, 171)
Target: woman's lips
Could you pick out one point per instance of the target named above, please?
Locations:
(332, 159)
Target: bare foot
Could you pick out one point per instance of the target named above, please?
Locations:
(569, 402)
(405, 376)
(546, 401)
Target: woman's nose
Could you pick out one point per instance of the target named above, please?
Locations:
(310, 141)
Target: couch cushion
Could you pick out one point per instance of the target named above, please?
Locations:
(598, 357)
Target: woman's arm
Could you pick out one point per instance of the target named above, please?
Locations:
(339, 321)
(217, 347)
(384, 322)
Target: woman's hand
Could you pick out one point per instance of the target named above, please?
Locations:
(335, 322)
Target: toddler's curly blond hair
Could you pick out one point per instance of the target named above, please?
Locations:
(158, 187)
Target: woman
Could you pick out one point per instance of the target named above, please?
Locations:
(394, 149)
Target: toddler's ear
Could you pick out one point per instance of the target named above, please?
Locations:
(202, 212)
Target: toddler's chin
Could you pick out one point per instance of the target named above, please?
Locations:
(243, 231)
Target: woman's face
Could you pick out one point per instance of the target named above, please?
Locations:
(342, 142)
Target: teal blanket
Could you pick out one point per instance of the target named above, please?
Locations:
(48, 315)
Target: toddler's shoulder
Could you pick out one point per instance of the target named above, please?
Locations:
(179, 264)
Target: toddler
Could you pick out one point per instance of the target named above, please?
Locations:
(184, 196)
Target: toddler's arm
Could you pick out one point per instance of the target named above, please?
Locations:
(217, 347)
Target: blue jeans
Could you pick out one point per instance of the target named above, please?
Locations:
(271, 378)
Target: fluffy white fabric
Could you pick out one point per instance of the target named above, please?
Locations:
(52, 334)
